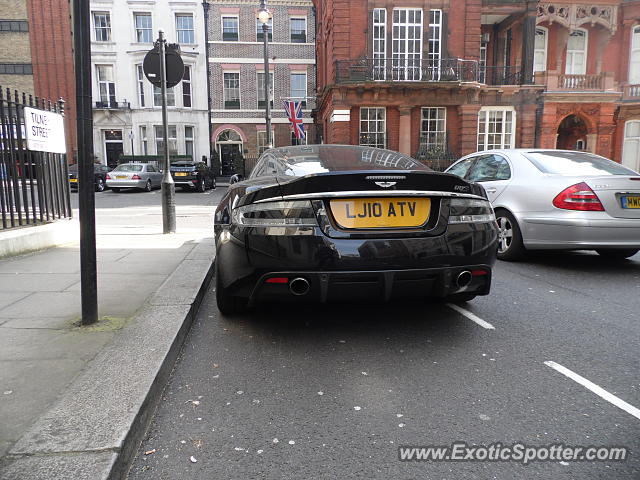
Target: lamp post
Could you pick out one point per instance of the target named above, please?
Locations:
(263, 16)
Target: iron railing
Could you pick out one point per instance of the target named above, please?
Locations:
(503, 75)
(406, 70)
(438, 158)
(113, 105)
(34, 186)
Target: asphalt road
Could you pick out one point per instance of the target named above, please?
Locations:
(327, 392)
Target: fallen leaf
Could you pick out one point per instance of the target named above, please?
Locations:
(149, 452)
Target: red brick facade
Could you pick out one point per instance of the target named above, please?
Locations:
(579, 96)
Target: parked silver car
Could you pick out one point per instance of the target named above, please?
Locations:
(558, 199)
(134, 175)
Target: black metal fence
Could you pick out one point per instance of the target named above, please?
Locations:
(34, 186)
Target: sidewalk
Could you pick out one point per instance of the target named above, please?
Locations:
(73, 399)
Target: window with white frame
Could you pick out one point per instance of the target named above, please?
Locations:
(188, 140)
(482, 62)
(185, 33)
(299, 87)
(260, 30)
(435, 44)
(631, 145)
(157, 97)
(298, 28)
(540, 50)
(143, 140)
(186, 87)
(373, 127)
(260, 82)
(433, 128)
(496, 127)
(407, 43)
(102, 26)
(172, 137)
(634, 61)
(577, 52)
(106, 85)
(231, 90)
(144, 27)
(379, 43)
(140, 81)
(262, 143)
(230, 28)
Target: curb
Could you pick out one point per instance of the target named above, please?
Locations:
(38, 237)
(94, 430)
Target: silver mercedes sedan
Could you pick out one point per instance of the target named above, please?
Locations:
(143, 176)
(558, 199)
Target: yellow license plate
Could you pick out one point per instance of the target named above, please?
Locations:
(121, 177)
(73, 180)
(181, 174)
(381, 212)
(631, 201)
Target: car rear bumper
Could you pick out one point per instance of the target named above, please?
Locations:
(183, 183)
(126, 183)
(580, 233)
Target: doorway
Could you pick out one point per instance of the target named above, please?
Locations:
(572, 134)
(229, 146)
(113, 147)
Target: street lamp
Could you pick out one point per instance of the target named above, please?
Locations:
(263, 17)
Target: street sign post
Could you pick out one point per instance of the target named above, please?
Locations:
(164, 67)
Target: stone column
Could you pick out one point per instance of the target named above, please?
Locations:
(528, 46)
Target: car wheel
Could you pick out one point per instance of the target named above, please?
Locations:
(510, 246)
(148, 187)
(115, 190)
(100, 185)
(617, 254)
(213, 184)
(201, 186)
(227, 303)
(460, 297)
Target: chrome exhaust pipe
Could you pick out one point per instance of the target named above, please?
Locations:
(464, 279)
(299, 286)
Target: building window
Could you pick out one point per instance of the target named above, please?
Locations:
(231, 91)
(379, 43)
(230, 29)
(186, 87)
(496, 128)
(184, 28)
(260, 83)
(298, 141)
(157, 97)
(299, 88)
(435, 43)
(16, 69)
(14, 26)
(631, 146)
(144, 27)
(173, 140)
(260, 31)
(188, 141)
(140, 82)
(373, 127)
(407, 44)
(482, 61)
(102, 26)
(298, 27)
(433, 131)
(634, 62)
(540, 50)
(262, 140)
(577, 52)
(143, 140)
(106, 85)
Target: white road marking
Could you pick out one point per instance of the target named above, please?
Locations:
(471, 316)
(601, 392)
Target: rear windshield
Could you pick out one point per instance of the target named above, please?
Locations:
(575, 163)
(128, 168)
(183, 164)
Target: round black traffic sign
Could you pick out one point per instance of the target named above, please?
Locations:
(175, 65)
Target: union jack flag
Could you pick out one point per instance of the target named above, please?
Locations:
(294, 113)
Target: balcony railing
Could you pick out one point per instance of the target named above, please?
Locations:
(406, 70)
(580, 82)
(509, 75)
(631, 92)
(113, 105)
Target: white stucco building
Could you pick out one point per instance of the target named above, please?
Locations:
(127, 107)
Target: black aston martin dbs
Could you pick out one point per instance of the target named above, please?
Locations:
(335, 222)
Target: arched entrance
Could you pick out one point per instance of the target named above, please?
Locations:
(229, 146)
(572, 134)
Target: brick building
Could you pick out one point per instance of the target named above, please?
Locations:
(36, 55)
(236, 73)
(443, 78)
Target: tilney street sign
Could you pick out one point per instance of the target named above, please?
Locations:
(44, 131)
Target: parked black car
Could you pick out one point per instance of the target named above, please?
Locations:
(193, 175)
(334, 222)
(100, 176)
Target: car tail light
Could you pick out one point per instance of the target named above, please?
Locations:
(275, 214)
(470, 210)
(479, 273)
(578, 197)
(108, 177)
(277, 280)
(136, 177)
